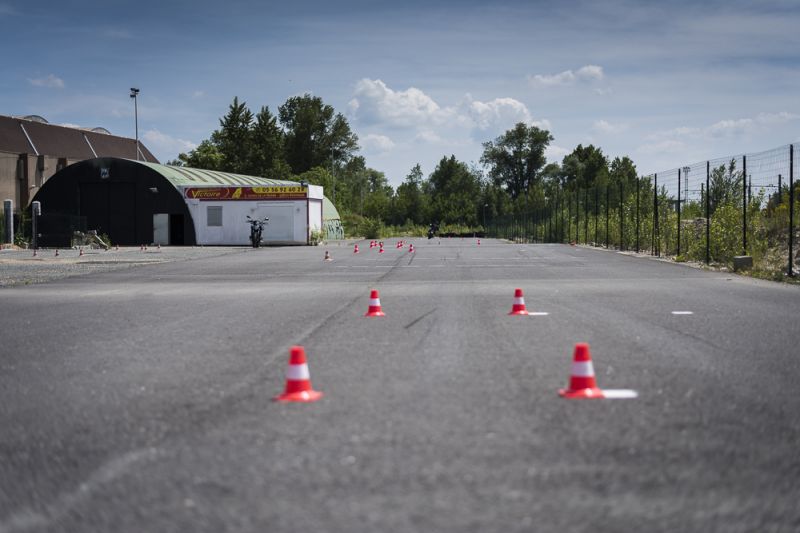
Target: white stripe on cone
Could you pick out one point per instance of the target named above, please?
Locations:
(519, 301)
(375, 302)
(582, 369)
(297, 373)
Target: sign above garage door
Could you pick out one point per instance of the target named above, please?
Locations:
(275, 192)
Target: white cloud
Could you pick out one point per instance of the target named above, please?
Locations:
(586, 73)
(162, 143)
(555, 153)
(198, 94)
(374, 102)
(671, 146)
(428, 137)
(603, 126)
(377, 143)
(51, 81)
(727, 127)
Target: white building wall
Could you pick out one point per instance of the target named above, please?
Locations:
(288, 222)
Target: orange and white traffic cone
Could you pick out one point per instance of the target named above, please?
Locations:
(519, 304)
(56, 252)
(371, 245)
(479, 242)
(298, 380)
(411, 248)
(582, 383)
(374, 305)
(380, 250)
(328, 256)
(355, 248)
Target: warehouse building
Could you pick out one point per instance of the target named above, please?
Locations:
(137, 202)
(32, 150)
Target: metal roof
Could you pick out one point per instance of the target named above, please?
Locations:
(196, 177)
(329, 211)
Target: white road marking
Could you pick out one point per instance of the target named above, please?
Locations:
(538, 313)
(619, 394)
(682, 313)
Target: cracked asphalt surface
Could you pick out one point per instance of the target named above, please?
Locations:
(139, 399)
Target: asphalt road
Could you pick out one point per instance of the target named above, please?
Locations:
(140, 399)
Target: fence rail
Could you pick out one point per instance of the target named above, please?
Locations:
(708, 211)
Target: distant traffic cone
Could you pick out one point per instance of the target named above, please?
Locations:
(479, 242)
(80, 252)
(116, 248)
(328, 256)
(371, 245)
(298, 379)
(34, 252)
(582, 384)
(411, 248)
(141, 247)
(159, 247)
(519, 304)
(374, 305)
(380, 250)
(355, 248)
(56, 252)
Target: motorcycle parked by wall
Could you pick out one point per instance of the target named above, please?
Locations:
(256, 230)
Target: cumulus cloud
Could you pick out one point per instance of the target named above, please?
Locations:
(603, 126)
(671, 146)
(161, 143)
(555, 153)
(51, 80)
(376, 103)
(376, 143)
(727, 127)
(586, 73)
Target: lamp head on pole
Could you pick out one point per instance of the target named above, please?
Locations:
(134, 92)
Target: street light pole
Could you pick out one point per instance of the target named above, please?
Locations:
(484, 217)
(134, 93)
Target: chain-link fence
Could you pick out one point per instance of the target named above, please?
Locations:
(709, 211)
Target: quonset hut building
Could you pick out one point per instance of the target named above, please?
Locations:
(136, 202)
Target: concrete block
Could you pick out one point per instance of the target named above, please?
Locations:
(742, 262)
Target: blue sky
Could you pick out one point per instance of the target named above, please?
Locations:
(666, 83)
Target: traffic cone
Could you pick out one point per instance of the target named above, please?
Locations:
(80, 252)
(116, 248)
(371, 245)
(355, 248)
(56, 252)
(380, 250)
(298, 379)
(582, 384)
(328, 256)
(374, 305)
(519, 304)
(141, 247)
(159, 247)
(479, 242)
(411, 248)
(34, 252)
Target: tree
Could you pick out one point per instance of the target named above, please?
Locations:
(266, 150)
(455, 193)
(516, 157)
(623, 170)
(206, 156)
(584, 167)
(411, 203)
(725, 186)
(233, 139)
(315, 134)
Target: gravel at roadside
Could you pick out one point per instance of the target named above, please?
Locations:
(21, 267)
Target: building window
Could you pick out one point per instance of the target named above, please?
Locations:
(214, 215)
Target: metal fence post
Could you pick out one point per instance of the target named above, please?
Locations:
(621, 221)
(656, 234)
(791, 209)
(8, 216)
(596, 211)
(744, 205)
(708, 213)
(586, 216)
(638, 186)
(608, 189)
(679, 212)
